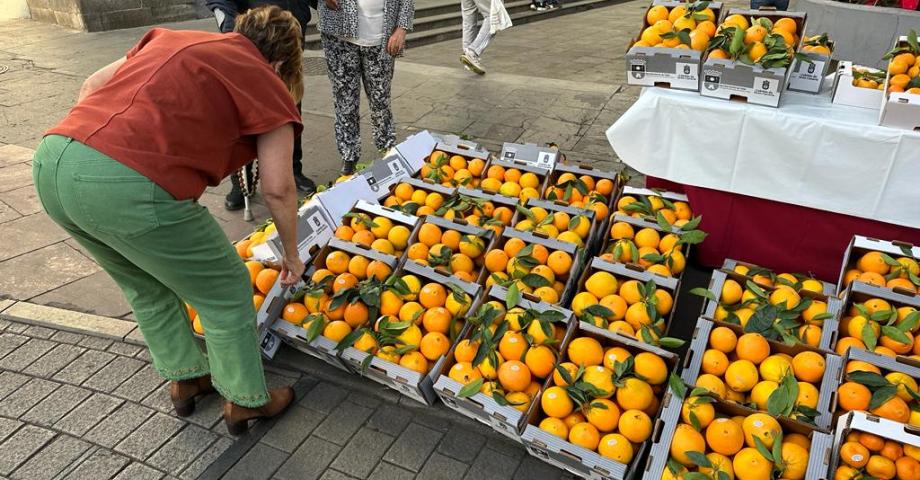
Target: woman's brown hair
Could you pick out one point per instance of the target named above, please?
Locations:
(276, 33)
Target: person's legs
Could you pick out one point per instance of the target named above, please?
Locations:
(304, 183)
(160, 314)
(484, 36)
(344, 68)
(178, 244)
(377, 73)
(468, 11)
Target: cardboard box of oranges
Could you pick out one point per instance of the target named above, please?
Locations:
(792, 381)
(901, 104)
(880, 385)
(658, 247)
(313, 319)
(453, 247)
(483, 209)
(669, 48)
(417, 196)
(514, 179)
(795, 280)
(811, 66)
(879, 320)
(781, 310)
(494, 373)
(406, 350)
(380, 228)
(750, 55)
(892, 264)
(455, 162)
(867, 446)
(627, 301)
(719, 439)
(583, 186)
(533, 263)
(558, 220)
(858, 86)
(599, 411)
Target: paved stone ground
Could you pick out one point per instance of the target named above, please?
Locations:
(82, 407)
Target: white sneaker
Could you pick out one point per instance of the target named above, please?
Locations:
(471, 61)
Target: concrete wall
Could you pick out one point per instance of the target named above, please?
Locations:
(98, 15)
(14, 9)
(862, 34)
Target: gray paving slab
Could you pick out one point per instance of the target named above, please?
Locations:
(461, 443)
(52, 459)
(258, 464)
(388, 471)
(198, 465)
(342, 422)
(147, 438)
(139, 471)
(23, 200)
(412, 448)
(180, 450)
(99, 464)
(21, 445)
(118, 425)
(27, 353)
(362, 453)
(42, 270)
(88, 413)
(21, 400)
(87, 364)
(141, 384)
(116, 372)
(313, 456)
(53, 408)
(293, 429)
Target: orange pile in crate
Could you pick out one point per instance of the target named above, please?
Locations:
(559, 225)
(417, 323)
(477, 211)
(878, 326)
(803, 317)
(378, 232)
(414, 201)
(452, 171)
(529, 269)
(648, 248)
(511, 182)
(582, 192)
(743, 370)
(904, 66)
(508, 354)
(603, 397)
(866, 455)
(342, 297)
(449, 251)
(629, 307)
(883, 270)
(750, 447)
(889, 394)
(760, 41)
(679, 27)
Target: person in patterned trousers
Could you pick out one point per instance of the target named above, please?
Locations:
(361, 40)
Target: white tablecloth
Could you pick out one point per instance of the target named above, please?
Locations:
(808, 152)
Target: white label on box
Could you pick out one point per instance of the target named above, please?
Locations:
(766, 86)
(686, 71)
(546, 160)
(269, 343)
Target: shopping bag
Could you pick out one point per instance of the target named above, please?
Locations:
(498, 17)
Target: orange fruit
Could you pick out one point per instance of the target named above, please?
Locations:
(753, 347)
(512, 345)
(725, 436)
(560, 262)
(845, 343)
(434, 345)
(344, 281)
(808, 366)
(556, 402)
(686, 439)
(555, 426)
(377, 269)
(254, 269)
(540, 360)
(355, 314)
(907, 468)
(786, 24)
(894, 409)
(294, 313)
(881, 467)
(242, 248)
(432, 295)
(514, 376)
(337, 262)
(584, 435)
(465, 351)
(853, 396)
(723, 339)
(603, 414)
(569, 367)
(892, 450)
(854, 454)
(265, 280)
(436, 319)
(414, 361)
(585, 351)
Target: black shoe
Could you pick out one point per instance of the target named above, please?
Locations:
(234, 200)
(304, 184)
(348, 168)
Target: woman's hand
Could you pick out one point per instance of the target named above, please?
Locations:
(332, 4)
(397, 42)
(291, 270)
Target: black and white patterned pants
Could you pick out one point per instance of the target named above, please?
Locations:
(350, 65)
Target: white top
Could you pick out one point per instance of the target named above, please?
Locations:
(807, 152)
(370, 24)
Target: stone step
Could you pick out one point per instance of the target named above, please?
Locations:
(447, 26)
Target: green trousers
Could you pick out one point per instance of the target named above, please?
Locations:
(160, 251)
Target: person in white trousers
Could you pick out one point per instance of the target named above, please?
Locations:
(475, 40)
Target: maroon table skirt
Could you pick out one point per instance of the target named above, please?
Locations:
(775, 235)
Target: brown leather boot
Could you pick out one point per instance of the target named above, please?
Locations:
(237, 417)
(183, 393)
